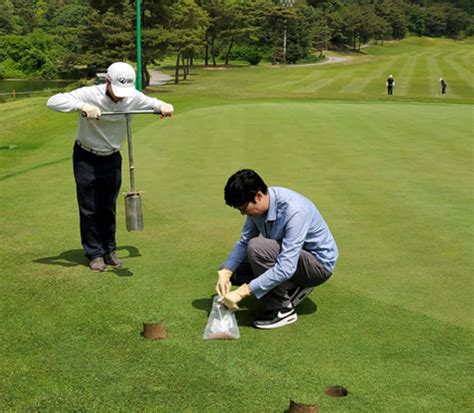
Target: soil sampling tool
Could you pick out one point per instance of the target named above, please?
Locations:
(133, 200)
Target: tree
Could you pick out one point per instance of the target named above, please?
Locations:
(436, 20)
(254, 39)
(457, 21)
(106, 38)
(393, 11)
(300, 33)
(220, 14)
(67, 23)
(29, 54)
(186, 26)
(416, 19)
(321, 34)
(25, 16)
(381, 29)
(354, 24)
(278, 19)
(7, 19)
(446, 19)
(242, 26)
(155, 33)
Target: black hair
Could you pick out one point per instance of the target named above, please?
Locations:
(242, 187)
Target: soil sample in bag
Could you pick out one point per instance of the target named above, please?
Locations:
(220, 336)
(221, 324)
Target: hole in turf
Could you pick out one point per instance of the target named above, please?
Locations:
(336, 391)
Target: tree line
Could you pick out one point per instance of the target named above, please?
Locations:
(76, 38)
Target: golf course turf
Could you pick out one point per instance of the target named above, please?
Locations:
(392, 177)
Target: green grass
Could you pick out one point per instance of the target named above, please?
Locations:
(393, 180)
(416, 64)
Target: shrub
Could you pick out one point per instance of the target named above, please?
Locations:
(248, 53)
(253, 56)
(9, 70)
(27, 55)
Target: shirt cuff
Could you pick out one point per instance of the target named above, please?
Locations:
(256, 288)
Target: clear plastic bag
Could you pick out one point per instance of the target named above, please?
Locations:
(222, 324)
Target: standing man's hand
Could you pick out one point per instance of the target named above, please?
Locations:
(223, 281)
(165, 110)
(234, 297)
(90, 111)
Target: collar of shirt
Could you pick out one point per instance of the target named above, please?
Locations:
(110, 96)
(271, 213)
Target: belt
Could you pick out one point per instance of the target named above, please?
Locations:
(98, 153)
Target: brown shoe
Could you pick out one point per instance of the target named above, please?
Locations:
(112, 259)
(97, 264)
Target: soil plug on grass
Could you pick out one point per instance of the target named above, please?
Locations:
(302, 408)
(154, 331)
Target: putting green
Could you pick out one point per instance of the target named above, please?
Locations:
(394, 189)
(393, 325)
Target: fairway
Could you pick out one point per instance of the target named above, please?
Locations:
(416, 64)
(394, 325)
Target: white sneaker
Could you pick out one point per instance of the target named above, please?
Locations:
(275, 319)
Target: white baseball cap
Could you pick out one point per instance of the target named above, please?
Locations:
(122, 79)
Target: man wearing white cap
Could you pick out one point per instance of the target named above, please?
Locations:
(96, 158)
(390, 83)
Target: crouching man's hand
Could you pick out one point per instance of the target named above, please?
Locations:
(223, 281)
(234, 297)
(165, 110)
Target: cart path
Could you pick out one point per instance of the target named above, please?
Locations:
(158, 78)
(327, 60)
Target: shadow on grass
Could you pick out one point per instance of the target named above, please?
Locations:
(73, 258)
(250, 307)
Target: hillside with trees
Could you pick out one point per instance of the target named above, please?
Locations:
(76, 38)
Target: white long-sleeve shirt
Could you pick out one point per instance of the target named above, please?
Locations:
(107, 134)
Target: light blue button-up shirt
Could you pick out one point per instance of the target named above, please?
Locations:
(295, 222)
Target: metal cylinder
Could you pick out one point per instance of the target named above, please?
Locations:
(133, 211)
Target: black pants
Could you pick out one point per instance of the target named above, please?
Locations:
(390, 90)
(98, 180)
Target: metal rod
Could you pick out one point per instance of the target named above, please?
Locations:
(133, 112)
(139, 84)
(130, 154)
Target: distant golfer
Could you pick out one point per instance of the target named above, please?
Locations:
(96, 159)
(444, 85)
(390, 83)
(285, 249)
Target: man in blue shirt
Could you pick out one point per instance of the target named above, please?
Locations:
(285, 249)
